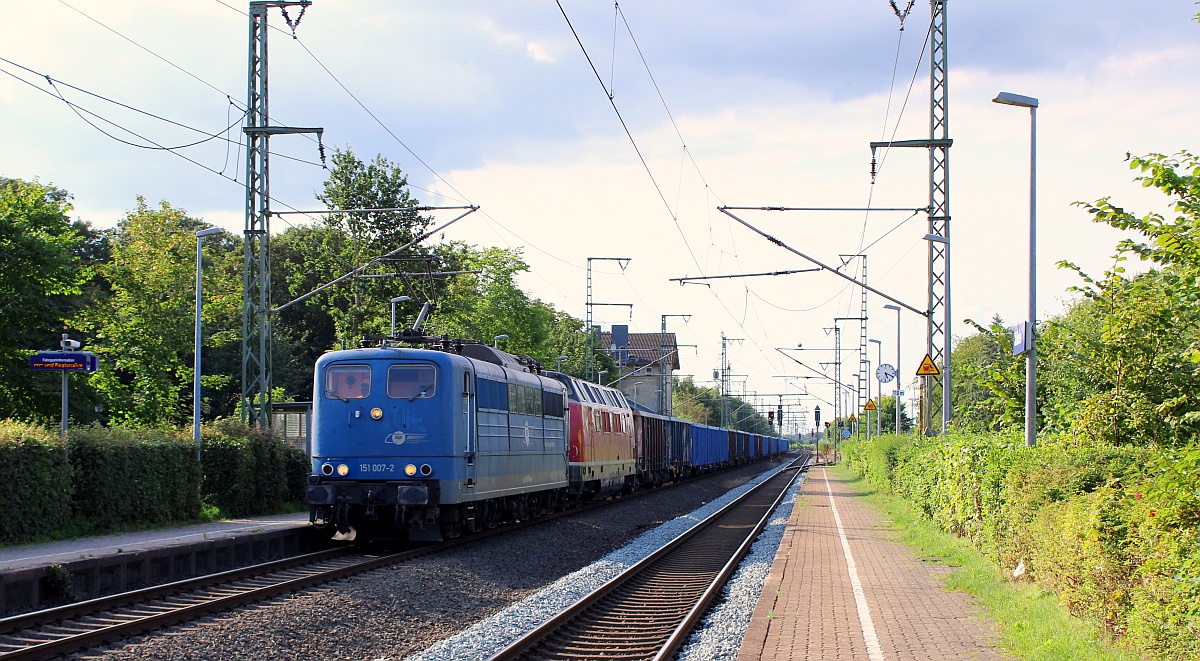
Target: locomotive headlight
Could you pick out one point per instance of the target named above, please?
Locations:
(343, 470)
(376, 414)
(410, 470)
(327, 469)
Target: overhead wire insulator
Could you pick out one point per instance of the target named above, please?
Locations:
(902, 14)
(296, 23)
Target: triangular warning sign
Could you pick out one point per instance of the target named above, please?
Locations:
(852, 418)
(870, 405)
(927, 368)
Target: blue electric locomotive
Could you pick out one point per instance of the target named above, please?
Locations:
(423, 443)
(428, 443)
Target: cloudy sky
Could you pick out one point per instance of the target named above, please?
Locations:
(742, 104)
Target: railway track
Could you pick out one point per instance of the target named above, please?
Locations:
(649, 610)
(53, 632)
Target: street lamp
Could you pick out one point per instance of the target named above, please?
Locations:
(496, 340)
(945, 336)
(898, 377)
(398, 299)
(1010, 99)
(558, 368)
(196, 360)
(879, 360)
(600, 376)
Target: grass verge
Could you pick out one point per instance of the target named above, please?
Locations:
(1033, 624)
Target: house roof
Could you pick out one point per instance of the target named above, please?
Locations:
(645, 348)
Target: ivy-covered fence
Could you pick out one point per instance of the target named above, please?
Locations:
(112, 478)
(1113, 530)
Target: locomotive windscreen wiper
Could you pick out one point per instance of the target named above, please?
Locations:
(333, 395)
(422, 392)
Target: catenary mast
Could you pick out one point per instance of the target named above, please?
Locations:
(256, 278)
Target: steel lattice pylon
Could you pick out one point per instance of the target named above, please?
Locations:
(256, 273)
(939, 335)
(938, 144)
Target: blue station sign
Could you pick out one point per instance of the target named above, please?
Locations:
(64, 361)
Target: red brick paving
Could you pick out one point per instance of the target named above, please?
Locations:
(807, 609)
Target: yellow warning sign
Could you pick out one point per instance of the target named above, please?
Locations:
(927, 368)
(870, 405)
(852, 418)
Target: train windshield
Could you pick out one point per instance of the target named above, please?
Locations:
(411, 381)
(346, 382)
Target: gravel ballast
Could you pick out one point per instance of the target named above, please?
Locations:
(488, 637)
(401, 610)
(719, 636)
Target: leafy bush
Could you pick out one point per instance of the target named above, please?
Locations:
(299, 467)
(132, 476)
(228, 472)
(1164, 539)
(111, 478)
(1114, 530)
(248, 471)
(37, 482)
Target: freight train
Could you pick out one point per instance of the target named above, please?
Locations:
(453, 437)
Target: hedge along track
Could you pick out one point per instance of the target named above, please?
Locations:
(80, 626)
(649, 610)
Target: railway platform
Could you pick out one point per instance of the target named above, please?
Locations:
(843, 587)
(95, 566)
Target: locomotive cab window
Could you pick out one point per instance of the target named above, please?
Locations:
(346, 382)
(411, 381)
(553, 405)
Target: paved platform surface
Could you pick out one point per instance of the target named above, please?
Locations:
(843, 587)
(38, 555)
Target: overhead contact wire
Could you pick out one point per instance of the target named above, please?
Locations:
(629, 135)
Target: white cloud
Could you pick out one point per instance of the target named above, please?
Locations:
(539, 53)
(538, 148)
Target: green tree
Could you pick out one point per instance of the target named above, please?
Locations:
(143, 328)
(887, 415)
(990, 389)
(692, 402)
(302, 259)
(45, 259)
(351, 240)
(489, 302)
(1144, 362)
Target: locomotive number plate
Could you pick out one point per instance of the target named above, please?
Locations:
(377, 468)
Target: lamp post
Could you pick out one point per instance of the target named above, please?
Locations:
(898, 372)
(600, 376)
(398, 299)
(879, 404)
(496, 340)
(947, 335)
(558, 367)
(196, 360)
(1010, 99)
